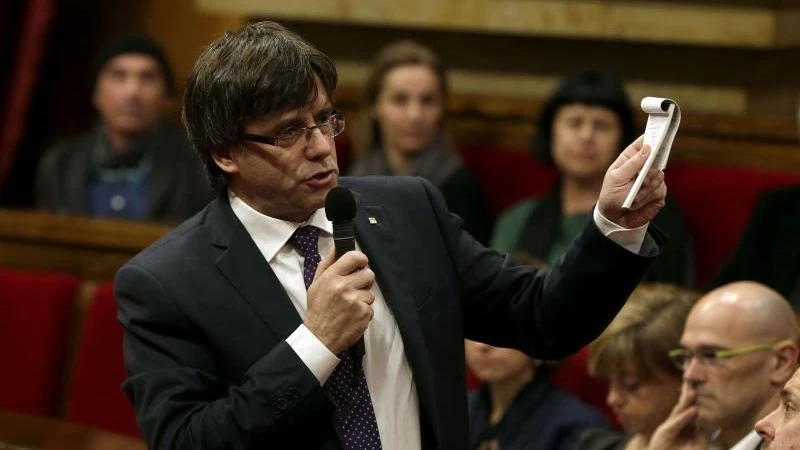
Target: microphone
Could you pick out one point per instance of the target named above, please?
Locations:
(340, 208)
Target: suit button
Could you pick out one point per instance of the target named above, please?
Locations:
(283, 403)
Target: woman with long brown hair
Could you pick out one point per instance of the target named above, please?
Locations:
(405, 100)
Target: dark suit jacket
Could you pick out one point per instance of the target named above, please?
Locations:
(177, 188)
(769, 250)
(206, 319)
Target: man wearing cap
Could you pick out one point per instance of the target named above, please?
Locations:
(132, 165)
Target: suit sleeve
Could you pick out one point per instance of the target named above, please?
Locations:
(548, 314)
(180, 401)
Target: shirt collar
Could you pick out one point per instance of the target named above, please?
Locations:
(271, 234)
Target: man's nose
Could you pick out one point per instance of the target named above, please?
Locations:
(764, 427)
(693, 370)
(318, 144)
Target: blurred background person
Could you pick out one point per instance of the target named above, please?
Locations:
(516, 406)
(631, 355)
(737, 351)
(132, 165)
(582, 128)
(406, 101)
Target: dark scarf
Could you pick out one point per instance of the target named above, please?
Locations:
(542, 226)
(437, 163)
(134, 161)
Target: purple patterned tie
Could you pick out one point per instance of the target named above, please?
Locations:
(354, 418)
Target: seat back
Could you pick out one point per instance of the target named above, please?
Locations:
(35, 317)
(95, 397)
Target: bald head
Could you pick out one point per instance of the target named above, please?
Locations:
(750, 310)
(755, 323)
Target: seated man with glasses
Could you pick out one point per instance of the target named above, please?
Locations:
(738, 349)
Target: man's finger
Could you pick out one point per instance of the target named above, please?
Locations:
(629, 152)
(655, 191)
(350, 262)
(686, 398)
(631, 167)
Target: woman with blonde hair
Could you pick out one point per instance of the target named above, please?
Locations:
(405, 100)
(631, 355)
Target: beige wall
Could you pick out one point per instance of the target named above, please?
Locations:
(752, 71)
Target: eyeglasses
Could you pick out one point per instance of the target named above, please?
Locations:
(682, 357)
(330, 126)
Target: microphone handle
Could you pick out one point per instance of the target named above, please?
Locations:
(344, 241)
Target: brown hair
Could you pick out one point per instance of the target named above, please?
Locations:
(396, 54)
(260, 69)
(648, 326)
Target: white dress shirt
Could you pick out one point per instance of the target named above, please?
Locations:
(391, 384)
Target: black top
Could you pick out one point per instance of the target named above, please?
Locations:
(542, 417)
(465, 198)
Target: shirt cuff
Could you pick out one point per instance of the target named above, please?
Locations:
(630, 239)
(319, 360)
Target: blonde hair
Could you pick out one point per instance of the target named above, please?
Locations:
(648, 326)
(396, 54)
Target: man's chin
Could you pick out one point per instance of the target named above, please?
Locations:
(705, 419)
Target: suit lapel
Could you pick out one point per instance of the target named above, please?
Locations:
(377, 238)
(247, 271)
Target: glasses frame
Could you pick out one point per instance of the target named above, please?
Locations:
(274, 139)
(720, 355)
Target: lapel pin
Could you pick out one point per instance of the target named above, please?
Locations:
(373, 221)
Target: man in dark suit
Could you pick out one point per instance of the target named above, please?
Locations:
(238, 323)
(132, 165)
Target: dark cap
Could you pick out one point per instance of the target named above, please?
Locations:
(133, 43)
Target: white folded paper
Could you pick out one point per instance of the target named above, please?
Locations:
(664, 118)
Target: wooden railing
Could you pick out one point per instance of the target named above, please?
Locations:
(92, 249)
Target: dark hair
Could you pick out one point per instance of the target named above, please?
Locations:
(396, 54)
(258, 70)
(589, 87)
(133, 43)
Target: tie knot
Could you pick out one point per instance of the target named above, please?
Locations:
(305, 240)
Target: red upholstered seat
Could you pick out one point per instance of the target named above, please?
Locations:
(95, 396)
(716, 203)
(35, 317)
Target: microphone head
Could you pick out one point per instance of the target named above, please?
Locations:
(340, 205)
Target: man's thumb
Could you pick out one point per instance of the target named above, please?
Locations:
(326, 262)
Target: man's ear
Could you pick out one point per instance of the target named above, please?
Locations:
(785, 363)
(224, 160)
